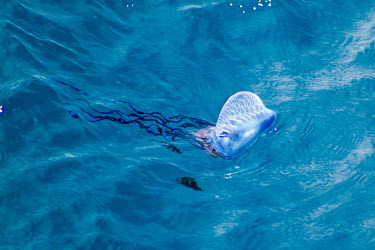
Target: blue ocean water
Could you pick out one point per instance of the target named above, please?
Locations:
(308, 183)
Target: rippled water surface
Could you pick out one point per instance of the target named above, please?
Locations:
(69, 183)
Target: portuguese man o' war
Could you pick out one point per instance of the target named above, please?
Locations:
(242, 119)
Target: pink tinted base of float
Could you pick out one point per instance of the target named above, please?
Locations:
(204, 139)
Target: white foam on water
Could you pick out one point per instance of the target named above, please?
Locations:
(359, 40)
(344, 73)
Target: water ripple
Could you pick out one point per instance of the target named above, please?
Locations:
(305, 183)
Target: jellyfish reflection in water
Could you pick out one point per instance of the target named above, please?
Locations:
(242, 119)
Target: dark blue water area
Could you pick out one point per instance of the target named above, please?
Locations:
(66, 183)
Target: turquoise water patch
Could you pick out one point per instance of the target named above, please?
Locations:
(68, 183)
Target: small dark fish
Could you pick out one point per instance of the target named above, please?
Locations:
(73, 114)
(172, 147)
(189, 182)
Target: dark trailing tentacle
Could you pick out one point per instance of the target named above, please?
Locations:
(171, 128)
(173, 119)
